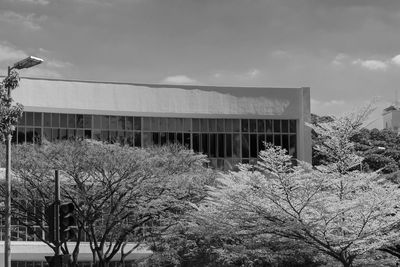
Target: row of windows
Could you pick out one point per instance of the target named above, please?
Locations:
(220, 145)
(81, 121)
(225, 141)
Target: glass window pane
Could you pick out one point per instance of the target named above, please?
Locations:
(261, 140)
(55, 134)
(71, 134)
(71, 121)
(260, 126)
(21, 135)
(55, 120)
(63, 120)
(29, 135)
(147, 139)
(87, 121)
(213, 145)
(63, 134)
(285, 142)
(138, 125)
(253, 126)
(228, 144)
(129, 123)
(113, 137)
(163, 138)
(146, 126)
(105, 136)
(163, 124)
(186, 125)
(171, 124)
(277, 140)
(236, 145)
(277, 126)
(79, 134)
(97, 122)
(105, 122)
(196, 142)
(221, 145)
(38, 119)
(293, 145)
(121, 123)
(270, 139)
(292, 126)
(156, 138)
(179, 124)
(204, 125)
(196, 125)
(204, 144)
(268, 126)
(113, 122)
(285, 126)
(186, 140)
(79, 122)
(253, 145)
(138, 139)
(171, 138)
(236, 125)
(97, 134)
(155, 124)
(87, 134)
(47, 134)
(228, 125)
(47, 119)
(179, 138)
(129, 138)
(245, 125)
(245, 145)
(29, 119)
(212, 125)
(220, 125)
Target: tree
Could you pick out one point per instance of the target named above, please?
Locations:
(9, 113)
(335, 208)
(122, 194)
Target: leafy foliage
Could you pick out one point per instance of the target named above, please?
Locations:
(9, 113)
(335, 208)
(121, 194)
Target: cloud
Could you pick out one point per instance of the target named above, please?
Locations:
(35, 2)
(29, 21)
(253, 73)
(179, 79)
(9, 53)
(58, 64)
(396, 60)
(329, 103)
(371, 64)
(340, 59)
(243, 76)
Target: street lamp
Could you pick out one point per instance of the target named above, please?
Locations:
(23, 64)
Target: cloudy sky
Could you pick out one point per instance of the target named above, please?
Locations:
(347, 51)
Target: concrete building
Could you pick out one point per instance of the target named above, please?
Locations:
(391, 118)
(227, 123)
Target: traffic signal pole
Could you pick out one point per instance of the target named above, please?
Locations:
(57, 203)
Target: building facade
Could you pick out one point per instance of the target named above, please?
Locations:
(229, 124)
(391, 118)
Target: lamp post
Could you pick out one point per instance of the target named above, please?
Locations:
(23, 64)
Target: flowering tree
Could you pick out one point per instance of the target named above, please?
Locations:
(335, 208)
(122, 195)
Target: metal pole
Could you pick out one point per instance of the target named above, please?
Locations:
(57, 213)
(7, 238)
